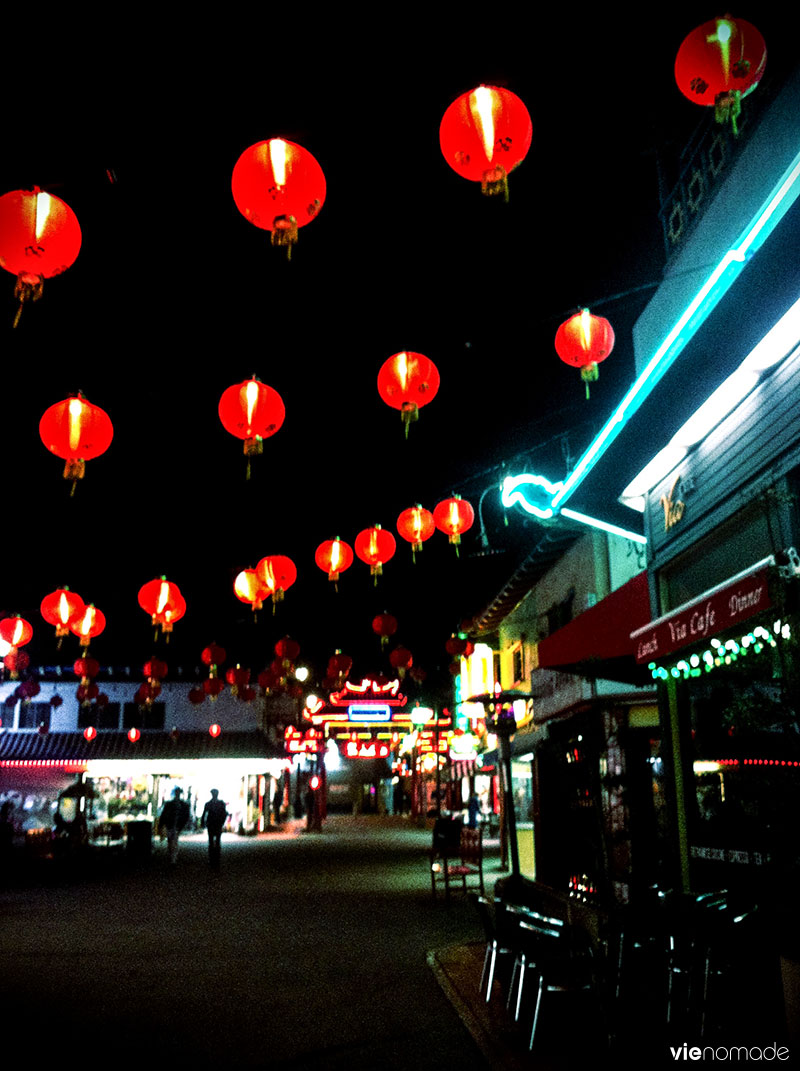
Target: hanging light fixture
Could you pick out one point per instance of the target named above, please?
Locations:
(39, 238)
(484, 135)
(76, 431)
(407, 381)
(279, 187)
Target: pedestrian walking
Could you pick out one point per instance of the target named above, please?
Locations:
(215, 814)
(173, 819)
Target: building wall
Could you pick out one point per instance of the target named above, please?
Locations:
(597, 564)
(227, 711)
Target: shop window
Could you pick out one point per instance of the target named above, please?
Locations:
(560, 613)
(99, 716)
(518, 664)
(34, 715)
(143, 717)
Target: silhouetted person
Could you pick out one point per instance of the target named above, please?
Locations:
(215, 814)
(173, 819)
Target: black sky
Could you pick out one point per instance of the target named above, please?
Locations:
(175, 296)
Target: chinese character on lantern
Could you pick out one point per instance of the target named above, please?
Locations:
(39, 237)
(583, 341)
(407, 381)
(279, 187)
(484, 135)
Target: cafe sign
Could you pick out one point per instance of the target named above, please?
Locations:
(716, 611)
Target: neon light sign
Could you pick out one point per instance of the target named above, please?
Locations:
(537, 496)
(369, 712)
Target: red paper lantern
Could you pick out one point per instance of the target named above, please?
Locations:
(339, 665)
(213, 686)
(76, 431)
(720, 63)
(279, 187)
(251, 411)
(15, 631)
(89, 623)
(196, 696)
(484, 135)
(249, 588)
(458, 647)
(162, 599)
(401, 659)
(59, 607)
(16, 662)
(155, 669)
(454, 516)
(86, 668)
(415, 525)
(90, 732)
(287, 650)
(384, 625)
(406, 381)
(214, 730)
(583, 341)
(333, 557)
(277, 573)
(213, 655)
(134, 735)
(39, 237)
(375, 546)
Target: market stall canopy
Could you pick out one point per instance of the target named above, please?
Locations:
(598, 643)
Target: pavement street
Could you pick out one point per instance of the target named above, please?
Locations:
(306, 950)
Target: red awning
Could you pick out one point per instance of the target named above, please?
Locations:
(716, 610)
(601, 633)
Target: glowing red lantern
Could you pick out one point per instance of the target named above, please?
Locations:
(720, 63)
(134, 735)
(214, 730)
(16, 662)
(279, 187)
(15, 631)
(76, 431)
(249, 588)
(277, 573)
(59, 607)
(213, 686)
(484, 135)
(155, 669)
(401, 660)
(39, 237)
(251, 411)
(237, 677)
(406, 381)
(375, 546)
(384, 625)
(163, 601)
(89, 623)
(333, 557)
(454, 516)
(415, 525)
(213, 655)
(90, 732)
(459, 647)
(339, 665)
(287, 650)
(583, 341)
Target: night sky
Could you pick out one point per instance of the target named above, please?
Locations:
(175, 296)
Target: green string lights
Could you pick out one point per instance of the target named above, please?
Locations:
(720, 653)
